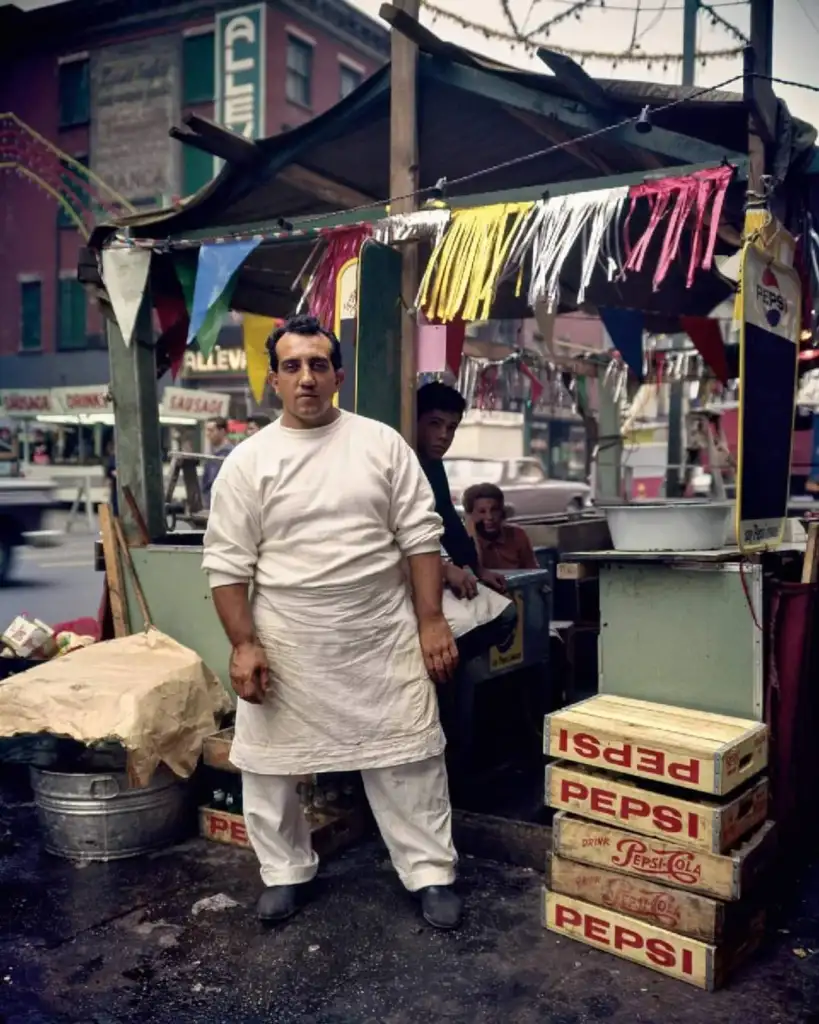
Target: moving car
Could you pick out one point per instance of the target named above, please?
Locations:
(23, 506)
(527, 489)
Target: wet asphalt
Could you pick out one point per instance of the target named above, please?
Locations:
(171, 939)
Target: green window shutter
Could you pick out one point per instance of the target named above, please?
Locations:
(31, 316)
(198, 73)
(71, 315)
(74, 191)
(75, 93)
(197, 169)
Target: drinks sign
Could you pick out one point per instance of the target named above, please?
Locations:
(240, 70)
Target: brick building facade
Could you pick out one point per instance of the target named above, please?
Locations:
(103, 80)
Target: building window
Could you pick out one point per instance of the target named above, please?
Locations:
(74, 191)
(75, 93)
(299, 85)
(31, 316)
(71, 315)
(351, 78)
(197, 169)
(198, 74)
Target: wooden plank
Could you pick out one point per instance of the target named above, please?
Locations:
(143, 538)
(129, 562)
(656, 811)
(810, 567)
(676, 956)
(694, 750)
(728, 876)
(334, 193)
(113, 573)
(685, 913)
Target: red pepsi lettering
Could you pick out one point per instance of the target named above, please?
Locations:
(217, 824)
(652, 762)
(621, 756)
(573, 790)
(685, 771)
(595, 928)
(661, 953)
(625, 938)
(602, 801)
(567, 916)
(586, 746)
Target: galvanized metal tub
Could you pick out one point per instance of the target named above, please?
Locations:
(97, 817)
(683, 525)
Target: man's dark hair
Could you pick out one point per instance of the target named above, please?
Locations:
(308, 326)
(260, 421)
(219, 422)
(439, 397)
(477, 491)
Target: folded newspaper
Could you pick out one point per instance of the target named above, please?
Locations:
(147, 692)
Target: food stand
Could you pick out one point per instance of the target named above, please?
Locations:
(264, 238)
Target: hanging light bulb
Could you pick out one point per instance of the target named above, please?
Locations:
(643, 124)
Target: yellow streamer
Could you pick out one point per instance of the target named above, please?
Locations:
(462, 273)
(256, 330)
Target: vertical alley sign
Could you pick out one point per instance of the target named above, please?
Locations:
(240, 70)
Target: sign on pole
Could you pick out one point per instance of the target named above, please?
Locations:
(240, 71)
(768, 355)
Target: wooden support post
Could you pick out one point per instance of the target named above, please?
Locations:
(136, 411)
(404, 182)
(674, 459)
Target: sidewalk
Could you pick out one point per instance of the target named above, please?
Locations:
(125, 943)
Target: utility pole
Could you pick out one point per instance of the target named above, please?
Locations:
(404, 182)
(690, 12)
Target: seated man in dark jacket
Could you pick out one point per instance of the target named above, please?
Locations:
(440, 411)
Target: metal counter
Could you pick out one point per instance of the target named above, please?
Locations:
(180, 603)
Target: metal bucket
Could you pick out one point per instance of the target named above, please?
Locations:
(96, 817)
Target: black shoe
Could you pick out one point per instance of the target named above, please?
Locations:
(277, 903)
(441, 906)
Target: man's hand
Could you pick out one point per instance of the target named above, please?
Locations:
(460, 581)
(249, 674)
(493, 580)
(438, 648)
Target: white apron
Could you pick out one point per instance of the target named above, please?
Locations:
(348, 686)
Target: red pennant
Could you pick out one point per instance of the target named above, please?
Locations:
(173, 322)
(537, 387)
(707, 338)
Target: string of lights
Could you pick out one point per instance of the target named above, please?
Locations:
(531, 44)
(717, 19)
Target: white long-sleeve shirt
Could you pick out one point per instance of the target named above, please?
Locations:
(319, 521)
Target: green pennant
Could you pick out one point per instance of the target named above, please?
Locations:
(209, 331)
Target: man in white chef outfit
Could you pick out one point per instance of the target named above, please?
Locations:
(334, 652)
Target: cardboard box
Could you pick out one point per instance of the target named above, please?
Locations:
(729, 876)
(686, 913)
(656, 811)
(676, 956)
(689, 749)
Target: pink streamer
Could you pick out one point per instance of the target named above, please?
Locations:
(695, 193)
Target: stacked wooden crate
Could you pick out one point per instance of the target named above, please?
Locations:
(661, 837)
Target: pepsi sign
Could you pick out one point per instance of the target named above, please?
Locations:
(770, 299)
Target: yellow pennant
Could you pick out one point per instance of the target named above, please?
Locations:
(256, 331)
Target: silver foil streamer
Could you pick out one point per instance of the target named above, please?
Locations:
(412, 227)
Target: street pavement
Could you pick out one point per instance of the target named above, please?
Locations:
(54, 584)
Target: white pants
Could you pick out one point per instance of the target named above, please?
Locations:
(410, 803)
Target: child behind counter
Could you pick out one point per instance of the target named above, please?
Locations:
(500, 544)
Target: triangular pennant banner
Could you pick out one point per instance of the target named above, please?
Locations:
(125, 275)
(173, 322)
(707, 338)
(625, 328)
(216, 269)
(256, 331)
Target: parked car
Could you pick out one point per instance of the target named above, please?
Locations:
(527, 489)
(23, 506)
